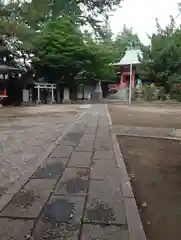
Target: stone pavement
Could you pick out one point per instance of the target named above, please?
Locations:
(26, 132)
(75, 194)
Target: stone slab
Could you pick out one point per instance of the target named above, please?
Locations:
(52, 168)
(74, 181)
(92, 122)
(79, 127)
(90, 130)
(62, 152)
(103, 134)
(105, 203)
(85, 147)
(124, 178)
(104, 170)
(103, 122)
(15, 229)
(87, 138)
(101, 146)
(67, 143)
(80, 159)
(61, 219)
(30, 200)
(134, 223)
(91, 232)
(103, 130)
(72, 138)
(103, 142)
(133, 219)
(104, 155)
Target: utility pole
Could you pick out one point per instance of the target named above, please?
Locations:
(130, 78)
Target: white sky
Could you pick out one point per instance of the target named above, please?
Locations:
(141, 14)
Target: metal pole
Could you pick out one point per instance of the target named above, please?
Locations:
(130, 82)
(130, 79)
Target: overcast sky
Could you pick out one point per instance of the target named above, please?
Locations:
(141, 14)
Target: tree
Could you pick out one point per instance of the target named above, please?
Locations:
(102, 52)
(20, 20)
(60, 52)
(42, 30)
(15, 31)
(35, 13)
(127, 36)
(124, 39)
(6, 56)
(161, 61)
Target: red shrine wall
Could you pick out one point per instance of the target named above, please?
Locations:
(124, 81)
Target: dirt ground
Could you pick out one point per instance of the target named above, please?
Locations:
(154, 166)
(164, 116)
(25, 132)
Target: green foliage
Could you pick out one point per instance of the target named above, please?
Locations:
(21, 21)
(149, 92)
(35, 13)
(101, 57)
(162, 60)
(59, 50)
(123, 41)
(42, 31)
(108, 50)
(62, 53)
(6, 56)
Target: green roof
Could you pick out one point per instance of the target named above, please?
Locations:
(130, 57)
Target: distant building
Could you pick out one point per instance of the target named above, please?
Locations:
(123, 68)
(4, 78)
(130, 57)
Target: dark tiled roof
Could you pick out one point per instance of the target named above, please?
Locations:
(5, 68)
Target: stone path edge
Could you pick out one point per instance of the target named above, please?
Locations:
(148, 136)
(135, 227)
(7, 197)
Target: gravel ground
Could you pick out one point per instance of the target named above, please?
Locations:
(25, 132)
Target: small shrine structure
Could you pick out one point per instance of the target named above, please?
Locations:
(131, 57)
(126, 69)
(4, 72)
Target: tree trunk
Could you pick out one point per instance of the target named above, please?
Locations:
(73, 93)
